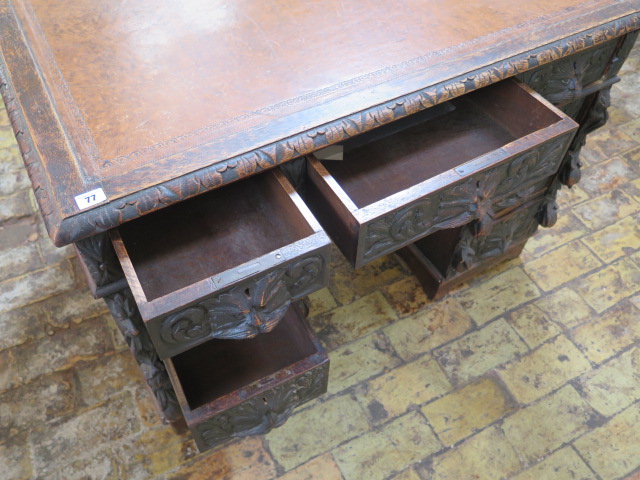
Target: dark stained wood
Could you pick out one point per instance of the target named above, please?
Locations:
(229, 388)
(226, 264)
(446, 258)
(149, 105)
(215, 232)
(218, 367)
(481, 157)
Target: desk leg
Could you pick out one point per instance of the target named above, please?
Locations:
(107, 281)
(127, 317)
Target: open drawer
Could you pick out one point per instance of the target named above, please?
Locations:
(225, 264)
(452, 164)
(230, 389)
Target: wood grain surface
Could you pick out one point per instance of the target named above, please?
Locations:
(155, 102)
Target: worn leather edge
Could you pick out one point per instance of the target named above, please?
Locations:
(68, 230)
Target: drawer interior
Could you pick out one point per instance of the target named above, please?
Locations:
(477, 123)
(219, 367)
(212, 233)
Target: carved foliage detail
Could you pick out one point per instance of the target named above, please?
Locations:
(248, 309)
(473, 249)
(563, 80)
(262, 413)
(597, 116)
(474, 199)
(117, 212)
(128, 319)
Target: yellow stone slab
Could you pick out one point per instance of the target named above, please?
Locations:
(316, 430)
(606, 176)
(480, 351)
(613, 450)
(566, 307)
(347, 284)
(496, 295)
(323, 467)
(392, 449)
(615, 385)
(321, 301)
(543, 370)
(393, 393)
(566, 229)
(533, 325)
(347, 323)
(606, 209)
(565, 464)
(562, 265)
(616, 240)
(360, 360)
(406, 296)
(463, 412)
(485, 456)
(606, 287)
(547, 425)
(610, 333)
(428, 329)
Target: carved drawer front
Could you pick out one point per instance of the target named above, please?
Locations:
(231, 389)
(478, 155)
(226, 264)
(447, 257)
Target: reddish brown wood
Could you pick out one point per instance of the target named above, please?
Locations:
(149, 105)
(224, 265)
(232, 388)
(466, 165)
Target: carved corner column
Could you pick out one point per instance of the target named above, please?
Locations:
(106, 280)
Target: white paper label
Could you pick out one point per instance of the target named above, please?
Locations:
(90, 199)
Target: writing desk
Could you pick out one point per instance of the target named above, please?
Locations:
(156, 110)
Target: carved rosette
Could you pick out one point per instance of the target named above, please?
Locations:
(127, 317)
(262, 413)
(247, 309)
(100, 258)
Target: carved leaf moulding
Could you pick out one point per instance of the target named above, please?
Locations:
(243, 311)
(109, 215)
(475, 198)
(263, 412)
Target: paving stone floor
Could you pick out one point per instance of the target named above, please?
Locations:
(530, 371)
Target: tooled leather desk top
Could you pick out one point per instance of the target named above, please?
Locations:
(143, 104)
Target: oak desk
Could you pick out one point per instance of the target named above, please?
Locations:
(148, 109)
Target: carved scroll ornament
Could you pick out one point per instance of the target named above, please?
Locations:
(262, 413)
(245, 310)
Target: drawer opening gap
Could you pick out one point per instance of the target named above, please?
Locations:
(218, 367)
(478, 123)
(212, 233)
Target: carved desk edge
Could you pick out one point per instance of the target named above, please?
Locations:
(69, 230)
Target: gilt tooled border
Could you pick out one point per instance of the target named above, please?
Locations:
(132, 206)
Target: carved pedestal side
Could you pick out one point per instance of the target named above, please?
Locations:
(127, 318)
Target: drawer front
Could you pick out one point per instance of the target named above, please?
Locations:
(245, 310)
(229, 388)
(478, 198)
(263, 412)
(472, 162)
(224, 265)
